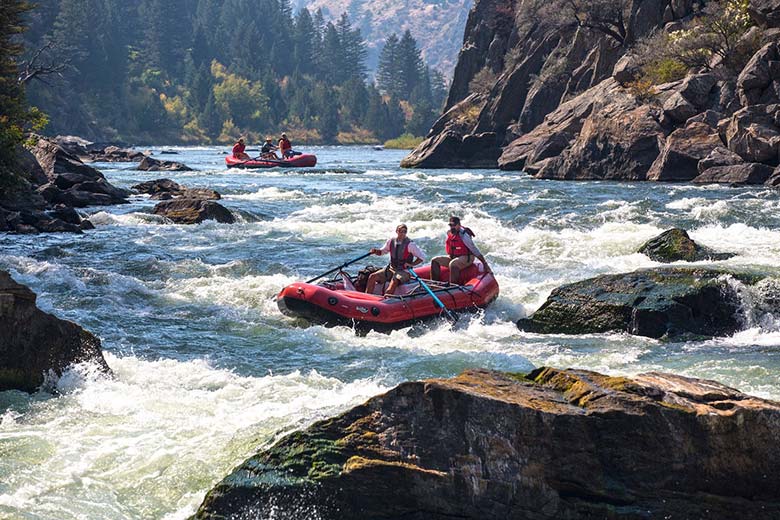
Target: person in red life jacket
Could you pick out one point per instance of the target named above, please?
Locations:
(461, 252)
(403, 254)
(238, 150)
(285, 146)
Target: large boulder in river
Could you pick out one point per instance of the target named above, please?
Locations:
(154, 165)
(675, 245)
(34, 344)
(193, 211)
(669, 302)
(550, 444)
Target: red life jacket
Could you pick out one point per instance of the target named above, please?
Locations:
(455, 246)
(284, 144)
(238, 148)
(399, 253)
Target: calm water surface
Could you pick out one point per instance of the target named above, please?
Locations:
(207, 371)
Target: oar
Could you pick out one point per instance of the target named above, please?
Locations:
(450, 315)
(342, 266)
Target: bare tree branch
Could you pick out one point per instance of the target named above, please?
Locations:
(36, 68)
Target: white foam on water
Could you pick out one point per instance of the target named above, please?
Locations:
(151, 440)
(755, 246)
(103, 218)
(253, 291)
(270, 193)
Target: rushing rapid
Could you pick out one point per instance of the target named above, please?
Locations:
(207, 370)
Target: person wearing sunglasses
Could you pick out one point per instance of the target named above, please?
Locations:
(403, 254)
(461, 252)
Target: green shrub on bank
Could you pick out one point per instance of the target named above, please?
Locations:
(404, 142)
(664, 70)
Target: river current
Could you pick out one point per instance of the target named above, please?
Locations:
(207, 371)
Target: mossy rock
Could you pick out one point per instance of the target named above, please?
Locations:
(553, 443)
(658, 303)
(675, 245)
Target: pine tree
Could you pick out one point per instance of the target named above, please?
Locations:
(388, 74)
(354, 100)
(332, 64)
(353, 48)
(304, 41)
(15, 114)
(211, 119)
(438, 89)
(411, 63)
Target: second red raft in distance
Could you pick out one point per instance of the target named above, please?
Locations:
(337, 302)
(297, 161)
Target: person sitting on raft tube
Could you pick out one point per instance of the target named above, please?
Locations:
(285, 146)
(403, 254)
(460, 252)
(268, 150)
(238, 150)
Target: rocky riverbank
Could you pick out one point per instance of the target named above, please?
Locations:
(547, 444)
(567, 102)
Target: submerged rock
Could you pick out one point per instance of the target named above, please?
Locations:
(669, 302)
(34, 343)
(193, 211)
(674, 245)
(545, 445)
(154, 165)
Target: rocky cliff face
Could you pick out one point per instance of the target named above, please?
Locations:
(549, 444)
(562, 105)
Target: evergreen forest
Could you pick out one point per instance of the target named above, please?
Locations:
(205, 71)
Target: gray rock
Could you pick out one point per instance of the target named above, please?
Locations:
(626, 70)
(162, 189)
(765, 12)
(34, 343)
(697, 88)
(670, 303)
(193, 211)
(753, 134)
(683, 150)
(745, 173)
(675, 245)
(719, 156)
(549, 444)
(757, 76)
(153, 165)
(709, 117)
(679, 109)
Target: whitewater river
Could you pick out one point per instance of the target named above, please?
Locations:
(207, 371)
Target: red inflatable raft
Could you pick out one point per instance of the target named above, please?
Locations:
(337, 302)
(297, 161)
